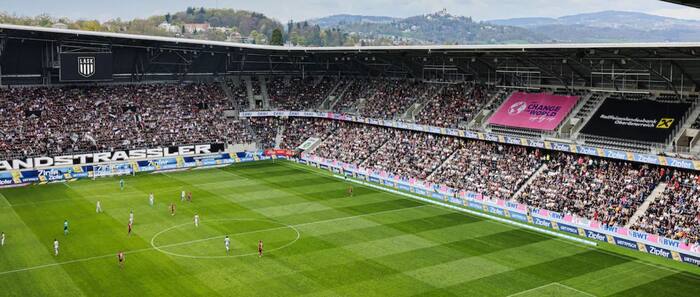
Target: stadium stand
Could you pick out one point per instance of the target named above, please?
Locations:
(357, 90)
(265, 131)
(299, 93)
(392, 98)
(412, 154)
(352, 142)
(490, 169)
(604, 190)
(456, 104)
(238, 94)
(676, 214)
(298, 130)
(40, 121)
(54, 121)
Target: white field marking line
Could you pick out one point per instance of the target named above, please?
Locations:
(488, 216)
(498, 221)
(282, 226)
(550, 284)
(103, 195)
(574, 289)
(530, 290)
(6, 202)
(182, 243)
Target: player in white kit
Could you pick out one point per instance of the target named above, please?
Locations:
(227, 242)
(196, 220)
(98, 208)
(55, 247)
(131, 217)
(151, 199)
(2, 239)
(182, 196)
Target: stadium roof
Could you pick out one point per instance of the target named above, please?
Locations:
(30, 55)
(691, 3)
(478, 47)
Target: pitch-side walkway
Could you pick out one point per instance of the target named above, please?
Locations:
(529, 180)
(643, 208)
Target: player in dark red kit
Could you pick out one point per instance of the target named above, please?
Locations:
(350, 191)
(129, 229)
(260, 248)
(120, 258)
(172, 209)
(189, 196)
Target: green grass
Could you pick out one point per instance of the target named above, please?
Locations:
(318, 241)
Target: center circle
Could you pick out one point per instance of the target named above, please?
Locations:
(210, 234)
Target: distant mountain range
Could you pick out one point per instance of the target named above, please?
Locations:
(609, 26)
(442, 27)
(434, 28)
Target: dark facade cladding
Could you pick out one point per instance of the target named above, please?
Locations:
(644, 120)
(31, 55)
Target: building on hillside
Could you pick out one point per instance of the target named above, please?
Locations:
(191, 28)
(169, 27)
(222, 29)
(59, 26)
(237, 37)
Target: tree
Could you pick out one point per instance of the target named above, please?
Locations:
(276, 38)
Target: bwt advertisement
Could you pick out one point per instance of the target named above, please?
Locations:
(537, 111)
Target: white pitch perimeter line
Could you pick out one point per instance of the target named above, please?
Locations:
(550, 284)
(6, 202)
(205, 239)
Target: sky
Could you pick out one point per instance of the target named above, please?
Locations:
(301, 10)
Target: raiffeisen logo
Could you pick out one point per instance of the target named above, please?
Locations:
(517, 108)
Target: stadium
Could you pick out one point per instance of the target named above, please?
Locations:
(135, 165)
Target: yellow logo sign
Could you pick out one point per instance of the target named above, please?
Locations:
(665, 123)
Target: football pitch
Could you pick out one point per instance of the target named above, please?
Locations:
(318, 241)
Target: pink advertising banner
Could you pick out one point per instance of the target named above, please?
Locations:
(537, 111)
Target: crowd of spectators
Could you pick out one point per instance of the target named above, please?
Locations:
(265, 130)
(392, 97)
(299, 93)
(676, 212)
(357, 90)
(491, 169)
(39, 121)
(456, 103)
(352, 142)
(42, 121)
(239, 94)
(412, 154)
(604, 190)
(298, 130)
